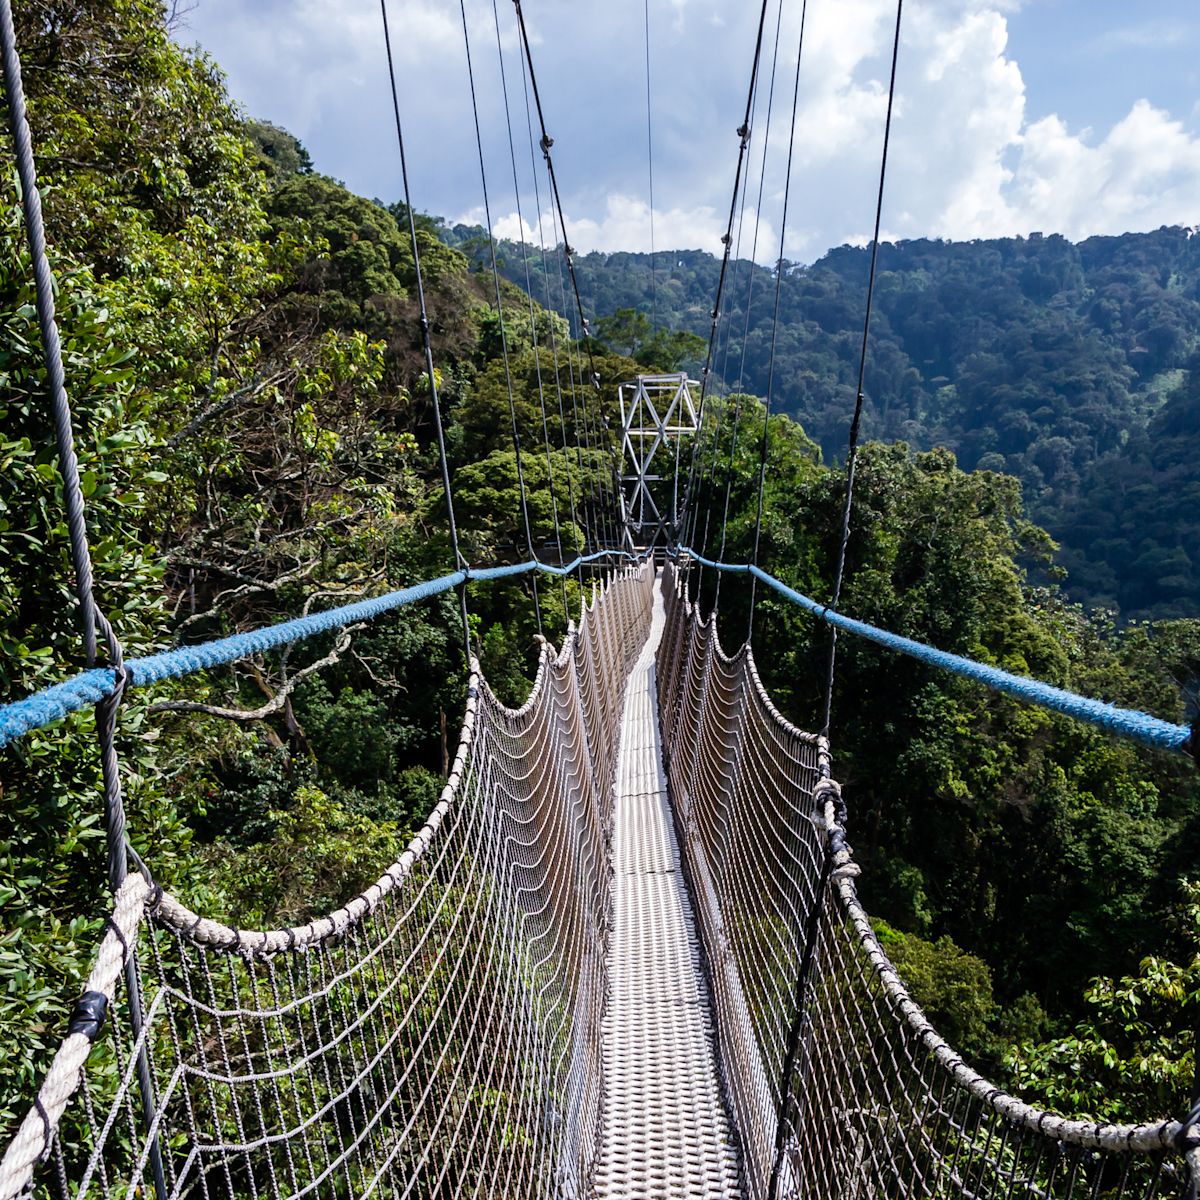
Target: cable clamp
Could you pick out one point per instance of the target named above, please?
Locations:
(547, 140)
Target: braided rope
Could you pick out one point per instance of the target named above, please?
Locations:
(1129, 723)
(90, 687)
(33, 1138)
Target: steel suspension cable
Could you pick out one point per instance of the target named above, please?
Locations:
(537, 351)
(763, 446)
(743, 133)
(512, 404)
(92, 620)
(546, 142)
(852, 451)
(537, 197)
(426, 344)
(738, 391)
(650, 172)
(568, 253)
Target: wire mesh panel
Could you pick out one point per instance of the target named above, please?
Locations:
(438, 1036)
(874, 1104)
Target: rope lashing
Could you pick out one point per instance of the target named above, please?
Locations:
(1128, 723)
(90, 687)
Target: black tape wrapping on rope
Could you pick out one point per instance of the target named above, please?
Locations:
(88, 1015)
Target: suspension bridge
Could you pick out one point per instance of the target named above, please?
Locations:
(623, 957)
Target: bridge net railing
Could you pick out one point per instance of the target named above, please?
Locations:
(438, 1036)
(840, 1089)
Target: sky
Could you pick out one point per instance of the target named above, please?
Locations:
(1079, 117)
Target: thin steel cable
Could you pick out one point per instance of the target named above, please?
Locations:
(852, 451)
(546, 142)
(537, 196)
(523, 510)
(766, 427)
(537, 352)
(737, 410)
(426, 344)
(743, 132)
(650, 171)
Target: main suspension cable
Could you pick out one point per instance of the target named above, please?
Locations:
(852, 452)
(512, 404)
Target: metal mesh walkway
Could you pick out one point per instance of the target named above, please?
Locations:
(665, 1130)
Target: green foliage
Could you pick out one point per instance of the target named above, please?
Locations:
(317, 857)
(953, 987)
(1132, 1057)
(1049, 361)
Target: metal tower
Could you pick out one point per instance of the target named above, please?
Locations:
(657, 413)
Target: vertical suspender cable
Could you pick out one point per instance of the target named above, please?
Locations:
(537, 198)
(766, 428)
(852, 452)
(533, 334)
(812, 933)
(568, 254)
(91, 619)
(743, 133)
(737, 409)
(459, 561)
(650, 173)
(512, 405)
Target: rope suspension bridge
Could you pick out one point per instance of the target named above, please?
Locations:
(624, 956)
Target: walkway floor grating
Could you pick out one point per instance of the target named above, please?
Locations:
(665, 1132)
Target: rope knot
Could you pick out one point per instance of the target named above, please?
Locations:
(827, 791)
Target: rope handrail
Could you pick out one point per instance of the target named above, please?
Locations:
(1125, 722)
(345, 1052)
(87, 688)
(873, 1101)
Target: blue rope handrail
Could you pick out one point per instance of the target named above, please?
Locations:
(88, 688)
(1137, 726)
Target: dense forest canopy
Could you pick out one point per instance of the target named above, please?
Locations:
(255, 429)
(1072, 367)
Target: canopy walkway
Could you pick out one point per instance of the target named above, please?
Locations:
(624, 957)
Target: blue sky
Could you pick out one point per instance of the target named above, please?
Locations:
(1075, 116)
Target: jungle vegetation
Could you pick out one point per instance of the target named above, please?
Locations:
(256, 436)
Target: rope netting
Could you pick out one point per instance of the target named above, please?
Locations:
(437, 1036)
(812, 1021)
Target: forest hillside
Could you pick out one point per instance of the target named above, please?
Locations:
(255, 424)
(1070, 366)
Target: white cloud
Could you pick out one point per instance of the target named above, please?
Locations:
(625, 224)
(967, 159)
